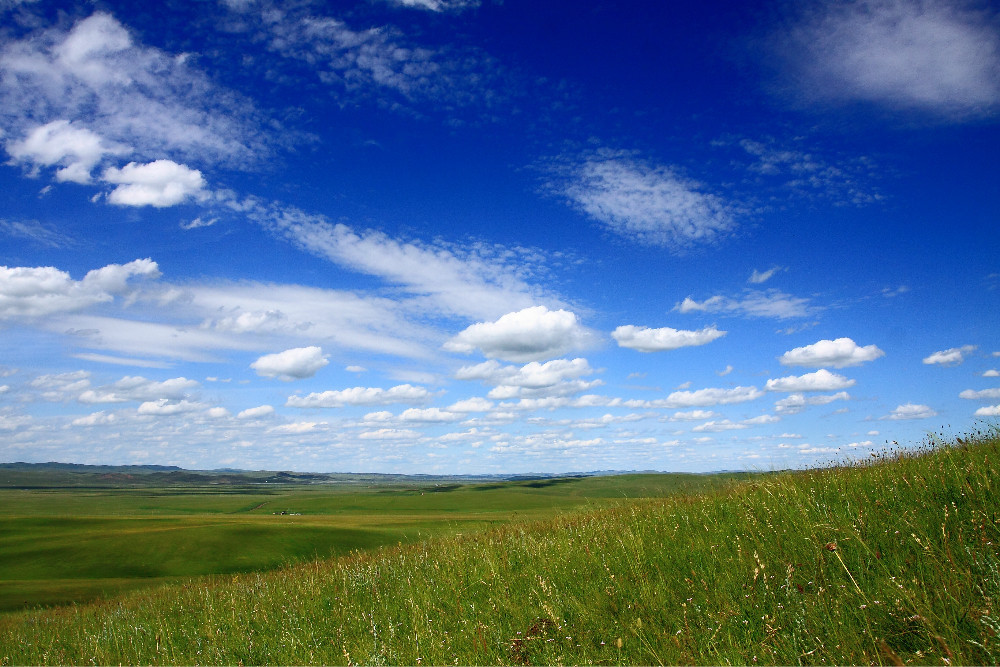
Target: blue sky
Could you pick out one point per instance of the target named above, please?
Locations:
(462, 236)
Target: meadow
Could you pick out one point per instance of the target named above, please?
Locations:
(68, 538)
(890, 560)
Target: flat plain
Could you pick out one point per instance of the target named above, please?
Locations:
(71, 537)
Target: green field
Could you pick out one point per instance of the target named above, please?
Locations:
(61, 544)
(891, 560)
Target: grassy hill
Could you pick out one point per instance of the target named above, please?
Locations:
(894, 560)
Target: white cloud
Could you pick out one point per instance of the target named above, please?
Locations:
(530, 334)
(256, 413)
(796, 403)
(941, 57)
(475, 404)
(295, 428)
(692, 415)
(992, 373)
(700, 398)
(981, 394)
(437, 5)
(138, 388)
(403, 393)
(988, 411)
(911, 411)
(33, 292)
(645, 339)
(758, 277)
(429, 415)
(950, 357)
(838, 353)
(61, 386)
(389, 434)
(165, 407)
(476, 281)
(753, 303)
(294, 364)
(101, 418)
(821, 380)
(533, 375)
(718, 426)
(646, 203)
(76, 149)
(97, 76)
(160, 184)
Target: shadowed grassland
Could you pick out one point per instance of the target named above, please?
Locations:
(894, 561)
(60, 545)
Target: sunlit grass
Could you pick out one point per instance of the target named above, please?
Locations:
(893, 560)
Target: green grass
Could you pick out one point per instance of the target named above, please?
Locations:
(68, 545)
(891, 561)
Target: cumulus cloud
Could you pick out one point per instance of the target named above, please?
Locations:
(294, 364)
(645, 339)
(911, 411)
(429, 415)
(692, 415)
(753, 303)
(532, 375)
(988, 411)
(165, 407)
(530, 334)
(950, 357)
(992, 373)
(403, 393)
(700, 398)
(796, 403)
(101, 418)
(256, 413)
(940, 57)
(61, 386)
(475, 404)
(838, 353)
(974, 395)
(138, 388)
(160, 184)
(821, 380)
(75, 149)
(33, 292)
(646, 203)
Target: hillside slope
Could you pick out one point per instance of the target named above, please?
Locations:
(891, 561)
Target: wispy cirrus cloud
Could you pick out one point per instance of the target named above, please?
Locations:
(380, 65)
(475, 280)
(640, 201)
(752, 303)
(941, 57)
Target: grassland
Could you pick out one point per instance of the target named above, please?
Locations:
(74, 537)
(890, 561)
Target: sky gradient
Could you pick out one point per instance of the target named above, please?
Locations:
(453, 236)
